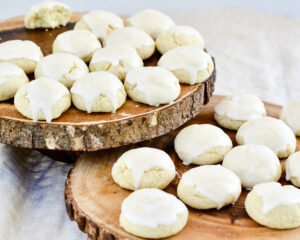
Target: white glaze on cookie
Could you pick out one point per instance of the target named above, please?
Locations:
(7, 70)
(151, 207)
(292, 166)
(291, 115)
(47, 4)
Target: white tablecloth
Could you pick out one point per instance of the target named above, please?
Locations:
(255, 52)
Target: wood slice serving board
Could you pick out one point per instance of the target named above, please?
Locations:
(94, 201)
(78, 131)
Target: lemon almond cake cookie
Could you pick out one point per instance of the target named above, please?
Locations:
(292, 169)
(290, 114)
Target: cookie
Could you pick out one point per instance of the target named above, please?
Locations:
(292, 169)
(47, 14)
(271, 132)
(143, 168)
(99, 22)
(81, 43)
(150, 21)
(42, 99)
(290, 114)
(98, 92)
(118, 60)
(180, 35)
(190, 64)
(210, 186)
(11, 79)
(23, 53)
(202, 144)
(274, 206)
(253, 164)
(233, 111)
(153, 213)
(152, 86)
(63, 67)
(133, 37)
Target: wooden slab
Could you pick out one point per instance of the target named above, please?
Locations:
(78, 131)
(94, 201)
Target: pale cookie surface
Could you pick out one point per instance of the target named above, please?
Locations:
(233, 111)
(270, 132)
(274, 206)
(42, 99)
(118, 60)
(133, 37)
(100, 22)
(292, 169)
(189, 64)
(202, 144)
(81, 43)
(63, 67)
(152, 85)
(98, 92)
(253, 164)
(210, 186)
(153, 213)
(180, 35)
(47, 14)
(151, 21)
(290, 114)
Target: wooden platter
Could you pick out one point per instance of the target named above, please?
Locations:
(78, 131)
(94, 201)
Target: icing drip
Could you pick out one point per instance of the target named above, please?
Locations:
(7, 70)
(292, 166)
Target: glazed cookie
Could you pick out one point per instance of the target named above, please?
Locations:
(189, 64)
(202, 144)
(98, 92)
(47, 14)
(11, 79)
(133, 37)
(290, 114)
(150, 21)
(274, 206)
(143, 168)
(178, 36)
(63, 67)
(233, 111)
(42, 99)
(81, 43)
(152, 86)
(292, 169)
(210, 186)
(153, 213)
(270, 132)
(118, 60)
(100, 22)
(253, 164)
(23, 53)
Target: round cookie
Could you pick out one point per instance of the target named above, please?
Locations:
(98, 92)
(118, 60)
(42, 99)
(150, 21)
(133, 37)
(23, 53)
(274, 206)
(153, 213)
(270, 132)
(210, 186)
(202, 144)
(100, 22)
(81, 43)
(152, 86)
(292, 169)
(233, 111)
(143, 168)
(63, 67)
(253, 164)
(47, 14)
(190, 64)
(180, 35)
(11, 79)
(290, 114)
